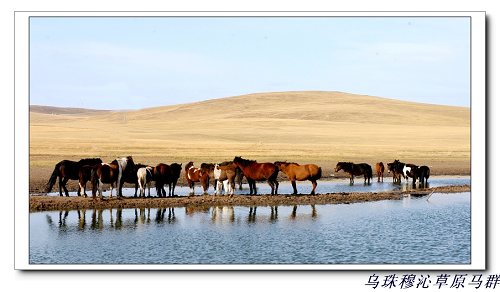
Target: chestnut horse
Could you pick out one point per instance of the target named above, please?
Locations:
(195, 174)
(113, 173)
(255, 171)
(296, 172)
(66, 170)
(354, 169)
(167, 174)
(379, 168)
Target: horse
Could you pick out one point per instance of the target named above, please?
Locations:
(209, 167)
(421, 173)
(379, 169)
(194, 174)
(131, 177)
(144, 178)
(84, 175)
(225, 175)
(167, 174)
(396, 168)
(255, 171)
(66, 170)
(113, 173)
(406, 170)
(296, 172)
(355, 170)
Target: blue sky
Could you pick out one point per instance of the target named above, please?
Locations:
(138, 62)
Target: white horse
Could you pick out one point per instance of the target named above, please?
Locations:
(224, 178)
(144, 178)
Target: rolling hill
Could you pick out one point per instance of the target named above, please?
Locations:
(321, 127)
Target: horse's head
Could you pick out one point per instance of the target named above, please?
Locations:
(390, 167)
(281, 164)
(188, 165)
(207, 166)
(339, 166)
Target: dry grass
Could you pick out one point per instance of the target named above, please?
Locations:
(320, 127)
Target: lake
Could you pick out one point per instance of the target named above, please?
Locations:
(407, 231)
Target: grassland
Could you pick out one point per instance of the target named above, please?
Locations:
(313, 127)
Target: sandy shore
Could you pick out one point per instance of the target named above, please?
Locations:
(50, 203)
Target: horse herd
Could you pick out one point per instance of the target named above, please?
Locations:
(225, 175)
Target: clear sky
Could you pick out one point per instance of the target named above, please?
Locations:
(137, 62)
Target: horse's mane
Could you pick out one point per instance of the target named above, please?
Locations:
(243, 161)
(286, 162)
(93, 160)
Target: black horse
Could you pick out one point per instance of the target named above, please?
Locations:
(421, 172)
(66, 170)
(356, 169)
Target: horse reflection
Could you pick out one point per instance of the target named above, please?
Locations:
(219, 213)
(314, 214)
(251, 214)
(274, 213)
(97, 221)
(81, 218)
(141, 217)
(160, 215)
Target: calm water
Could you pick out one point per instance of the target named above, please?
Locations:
(324, 186)
(406, 231)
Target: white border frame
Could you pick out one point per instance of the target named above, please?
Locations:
(478, 145)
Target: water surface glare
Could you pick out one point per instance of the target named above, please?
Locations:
(407, 231)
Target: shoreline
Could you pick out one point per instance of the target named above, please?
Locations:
(39, 203)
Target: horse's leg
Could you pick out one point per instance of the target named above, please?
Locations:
(314, 183)
(271, 183)
(294, 186)
(135, 193)
(231, 187)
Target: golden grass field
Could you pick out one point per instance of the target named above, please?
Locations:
(306, 127)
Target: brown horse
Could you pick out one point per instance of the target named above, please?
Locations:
(296, 172)
(66, 170)
(255, 171)
(194, 174)
(84, 175)
(379, 169)
(354, 169)
(113, 173)
(167, 174)
(224, 175)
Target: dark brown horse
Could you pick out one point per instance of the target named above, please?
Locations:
(66, 170)
(194, 174)
(396, 168)
(167, 174)
(84, 175)
(113, 173)
(255, 171)
(379, 169)
(421, 173)
(354, 169)
(296, 172)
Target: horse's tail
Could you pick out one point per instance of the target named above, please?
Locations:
(94, 178)
(320, 172)
(53, 178)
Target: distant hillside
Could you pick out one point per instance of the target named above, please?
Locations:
(52, 110)
(301, 126)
